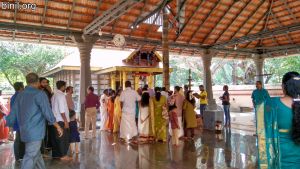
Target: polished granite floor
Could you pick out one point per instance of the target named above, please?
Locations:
(227, 150)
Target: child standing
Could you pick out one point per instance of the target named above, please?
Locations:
(74, 133)
(174, 124)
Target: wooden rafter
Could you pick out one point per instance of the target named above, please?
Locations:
(233, 20)
(153, 23)
(43, 18)
(147, 15)
(15, 21)
(206, 17)
(97, 9)
(265, 18)
(290, 11)
(141, 11)
(279, 24)
(117, 10)
(70, 18)
(188, 21)
(180, 8)
(220, 19)
(250, 17)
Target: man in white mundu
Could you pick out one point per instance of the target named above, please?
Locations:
(103, 109)
(128, 98)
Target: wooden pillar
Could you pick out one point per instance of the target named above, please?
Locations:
(85, 45)
(124, 78)
(113, 81)
(136, 82)
(165, 46)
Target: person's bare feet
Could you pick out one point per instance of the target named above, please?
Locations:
(66, 158)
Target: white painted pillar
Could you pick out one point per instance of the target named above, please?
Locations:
(206, 56)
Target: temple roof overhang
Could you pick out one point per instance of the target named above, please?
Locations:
(119, 60)
(235, 28)
(131, 69)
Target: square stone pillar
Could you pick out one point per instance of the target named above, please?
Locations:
(85, 45)
(259, 65)
(211, 114)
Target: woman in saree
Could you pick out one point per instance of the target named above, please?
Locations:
(110, 110)
(278, 127)
(189, 114)
(144, 117)
(117, 112)
(159, 103)
(4, 130)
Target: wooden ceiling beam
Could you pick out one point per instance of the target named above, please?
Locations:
(280, 25)
(234, 18)
(250, 17)
(153, 22)
(141, 12)
(70, 18)
(110, 15)
(220, 19)
(104, 37)
(43, 18)
(261, 34)
(15, 21)
(290, 11)
(188, 21)
(97, 9)
(206, 17)
(264, 17)
(147, 15)
(180, 8)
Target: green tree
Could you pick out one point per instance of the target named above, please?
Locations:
(19, 59)
(277, 67)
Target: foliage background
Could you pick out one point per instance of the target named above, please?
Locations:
(19, 59)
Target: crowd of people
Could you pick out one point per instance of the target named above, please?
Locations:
(45, 121)
(143, 116)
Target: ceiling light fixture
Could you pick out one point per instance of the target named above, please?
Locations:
(100, 32)
(235, 47)
(160, 29)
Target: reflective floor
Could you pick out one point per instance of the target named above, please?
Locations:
(227, 150)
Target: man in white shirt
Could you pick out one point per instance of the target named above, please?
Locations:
(128, 100)
(61, 113)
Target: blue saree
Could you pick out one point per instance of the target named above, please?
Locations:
(276, 149)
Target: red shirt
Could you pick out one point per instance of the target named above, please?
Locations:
(92, 100)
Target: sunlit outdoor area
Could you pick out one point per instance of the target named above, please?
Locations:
(149, 84)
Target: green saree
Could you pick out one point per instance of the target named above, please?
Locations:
(276, 149)
(160, 123)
